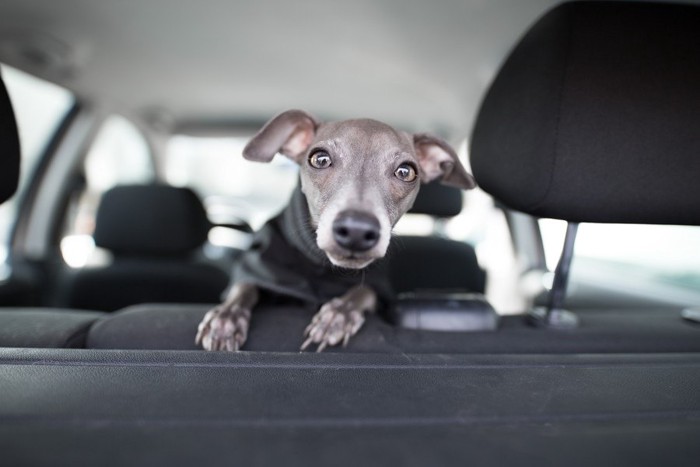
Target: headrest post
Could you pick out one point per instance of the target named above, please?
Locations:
(555, 316)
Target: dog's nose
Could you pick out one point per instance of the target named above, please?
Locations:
(356, 230)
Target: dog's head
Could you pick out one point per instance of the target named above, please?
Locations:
(359, 177)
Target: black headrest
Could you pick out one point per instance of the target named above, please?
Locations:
(150, 220)
(438, 200)
(9, 147)
(595, 116)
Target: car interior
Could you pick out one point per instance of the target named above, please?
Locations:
(502, 347)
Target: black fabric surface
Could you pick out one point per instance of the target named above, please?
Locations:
(152, 231)
(433, 263)
(594, 116)
(280, 329)
(173, 327)
(129, 281)
(191, 408)
(155, 220)
(9, 147)
(45, 328)
(437, 200)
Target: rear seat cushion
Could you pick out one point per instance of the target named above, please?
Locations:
(173, 327)
(280, 328)
(45, 328)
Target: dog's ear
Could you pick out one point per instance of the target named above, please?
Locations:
(289, 133)
(437, 159)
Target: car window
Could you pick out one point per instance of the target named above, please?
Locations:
(648, 254)
(118, 155)
(39, 108)
(232, 187)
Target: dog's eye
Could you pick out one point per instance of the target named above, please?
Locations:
(320, 160)
(406, 173)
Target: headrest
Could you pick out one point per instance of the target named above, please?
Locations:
(150, 220)
(595, 116)
(9, 147)
(438, 200)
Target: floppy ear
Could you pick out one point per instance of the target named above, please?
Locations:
(289, 133)
(437, 159)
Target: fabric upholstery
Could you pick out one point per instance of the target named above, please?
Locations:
(434, 263)
(594, 116)
(152, 220)
(9, 147)
(152, 232)
(280, 328)
(44, 328)
(182, 409)
(438, 200)
(132, 280)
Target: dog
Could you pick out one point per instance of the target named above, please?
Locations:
(357, 178)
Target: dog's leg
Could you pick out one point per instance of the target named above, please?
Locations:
(340, 318)
(226, 326)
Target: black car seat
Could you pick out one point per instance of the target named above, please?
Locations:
(594, 117)
(31, 327)
(154, 233)
(445, 264)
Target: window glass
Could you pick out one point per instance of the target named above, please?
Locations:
(39, 108)
(232, 187)
(663, 254)
(119, 155)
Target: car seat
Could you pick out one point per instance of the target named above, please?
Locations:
(31, 327)
(445, 264)
(154, 233)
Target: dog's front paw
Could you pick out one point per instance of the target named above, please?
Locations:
(335, 322)
(224, 328)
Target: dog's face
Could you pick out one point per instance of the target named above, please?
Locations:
(359, 178)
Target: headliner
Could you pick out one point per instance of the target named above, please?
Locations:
(419, 65)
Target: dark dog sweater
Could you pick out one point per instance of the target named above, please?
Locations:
(285, 261)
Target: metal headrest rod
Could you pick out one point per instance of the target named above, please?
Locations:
(555, 316)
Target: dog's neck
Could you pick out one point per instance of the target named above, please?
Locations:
(296, 223)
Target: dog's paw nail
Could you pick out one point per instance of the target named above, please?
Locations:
(306, 343)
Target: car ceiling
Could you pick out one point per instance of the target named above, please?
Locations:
(417, 64)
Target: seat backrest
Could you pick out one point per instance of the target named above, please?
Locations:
(594, 117)
(31, 327)
(153, 233)
(431, 262)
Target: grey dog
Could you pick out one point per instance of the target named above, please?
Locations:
(357, 178)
